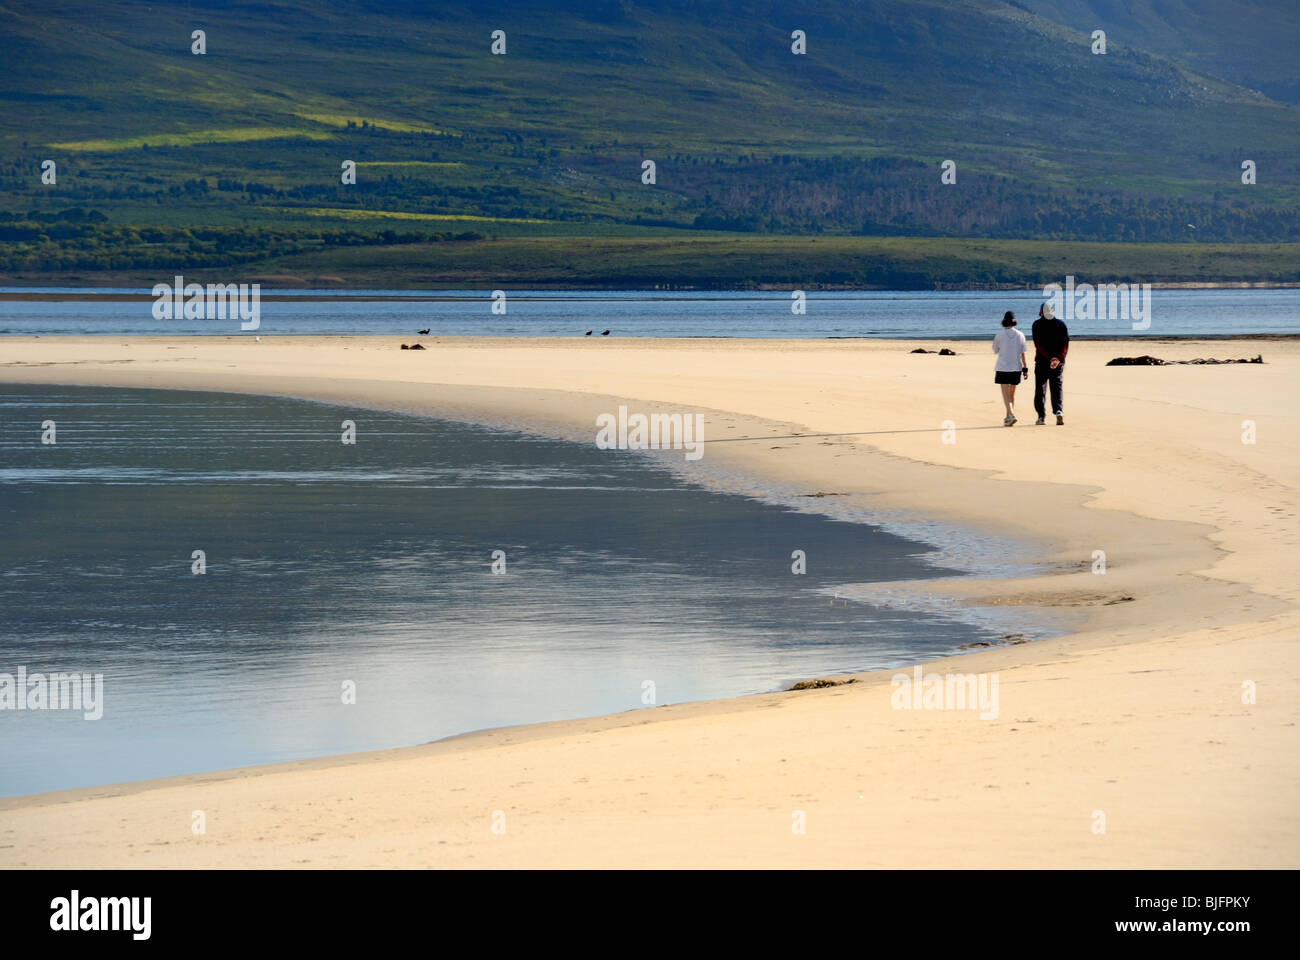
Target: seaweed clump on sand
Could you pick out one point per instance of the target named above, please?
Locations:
(1149, 361)
(1007, 639)
(818, 684)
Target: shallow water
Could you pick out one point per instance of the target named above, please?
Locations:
(371, 564)
(886, 313)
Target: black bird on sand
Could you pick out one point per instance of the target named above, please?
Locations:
(587, 334)
(605, 333)
(422, 331)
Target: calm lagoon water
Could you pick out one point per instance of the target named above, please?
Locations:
(371, 563)
(907, 314)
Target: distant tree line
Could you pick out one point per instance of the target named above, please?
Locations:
(78, 239)
(897, 197)
(748, 193)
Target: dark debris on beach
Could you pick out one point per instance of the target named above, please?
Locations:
(819, 684)
(1149, 361)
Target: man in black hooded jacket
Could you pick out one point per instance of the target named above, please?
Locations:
(1051, 343)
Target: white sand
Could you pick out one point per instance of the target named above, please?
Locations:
(1138, 713)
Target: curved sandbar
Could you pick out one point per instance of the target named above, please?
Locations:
(1138, 714)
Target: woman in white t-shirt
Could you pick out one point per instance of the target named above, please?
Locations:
(1011, 368)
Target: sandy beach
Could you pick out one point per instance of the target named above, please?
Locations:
(1167, 713)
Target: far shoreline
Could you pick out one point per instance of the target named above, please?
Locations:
(79, 291)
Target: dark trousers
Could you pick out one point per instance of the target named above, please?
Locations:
(1044, 375)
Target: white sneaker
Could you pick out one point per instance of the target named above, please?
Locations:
(1040, 421)
(1009, 420)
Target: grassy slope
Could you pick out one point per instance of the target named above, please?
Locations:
(735, 262)
(829, 261)
(1249, 44)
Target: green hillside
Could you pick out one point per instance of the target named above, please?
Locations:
(231, 160)
(1251, 44)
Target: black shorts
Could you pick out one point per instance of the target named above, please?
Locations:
(1006, 376)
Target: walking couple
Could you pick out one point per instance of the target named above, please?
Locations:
(1051, 341)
